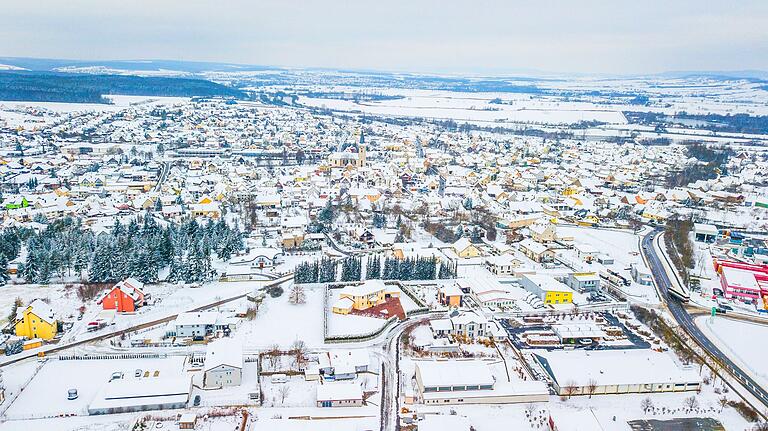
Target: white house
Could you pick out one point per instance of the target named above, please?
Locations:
(223, 364)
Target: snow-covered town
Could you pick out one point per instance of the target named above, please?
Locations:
(206, 246)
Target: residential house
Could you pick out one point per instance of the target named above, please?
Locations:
(223, 364)
(36, 321)
(465, 249)
(363, 296)
(124, 297)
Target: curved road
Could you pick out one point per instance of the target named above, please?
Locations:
(685, 320)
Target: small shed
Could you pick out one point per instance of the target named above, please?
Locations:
(187, 421)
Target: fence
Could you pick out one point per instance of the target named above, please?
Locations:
(580, 309)
(361, 337)
(115, 356)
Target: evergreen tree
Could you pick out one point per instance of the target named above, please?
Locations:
(391, 269)
(4, 277)
(350, 269)
(373, 268)
(327, 270)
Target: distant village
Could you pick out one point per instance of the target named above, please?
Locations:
(204, 263)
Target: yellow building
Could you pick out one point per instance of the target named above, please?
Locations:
(36, 321)
(465, 249)
(558, 297)
(363, 296)
(547, 288)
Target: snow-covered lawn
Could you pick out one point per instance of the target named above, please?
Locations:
(298, 392)
(63, 301)
(280, 322)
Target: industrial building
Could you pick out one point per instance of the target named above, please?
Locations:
(580, 372)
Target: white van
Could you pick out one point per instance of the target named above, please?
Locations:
(279, 378)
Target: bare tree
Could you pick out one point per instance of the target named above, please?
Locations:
(691, 402)
(299, 351)
(297, 295)
(646, 404)
(723, 402)
(529, 410)
(283, 392)
(570, 388)
(274, 355)
(591, 387)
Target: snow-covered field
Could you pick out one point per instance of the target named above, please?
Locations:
(458, 106)
(741, 341)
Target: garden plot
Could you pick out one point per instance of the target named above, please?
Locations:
(296, 392)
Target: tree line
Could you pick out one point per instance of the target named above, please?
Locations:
(326, 270)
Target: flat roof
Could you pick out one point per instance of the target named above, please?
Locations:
(578, 330)
(615, 367)
(339, 391)
(740, 278)
(140, 392)
(454, 373)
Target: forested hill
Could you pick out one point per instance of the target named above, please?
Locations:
(62, 87)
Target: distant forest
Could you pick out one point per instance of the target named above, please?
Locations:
(736, 123)
(63, 87)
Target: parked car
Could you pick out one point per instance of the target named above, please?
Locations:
(196, 401)
(117, 375)
(138, 372)
(72, 394)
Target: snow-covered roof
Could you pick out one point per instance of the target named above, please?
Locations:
(454, 373)
(366, 288)
(224, 352)
(339, 391)
(39, 309)
(197, 318)
(615, 367)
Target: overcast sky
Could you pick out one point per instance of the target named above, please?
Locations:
(441, 36)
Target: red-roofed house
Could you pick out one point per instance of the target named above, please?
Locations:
(125, 297)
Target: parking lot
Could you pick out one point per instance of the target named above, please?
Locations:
(634, 341)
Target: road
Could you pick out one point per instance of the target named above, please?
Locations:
(391, 370)
(685, 320)
(165, 168)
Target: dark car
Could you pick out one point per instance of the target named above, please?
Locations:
(196, 401)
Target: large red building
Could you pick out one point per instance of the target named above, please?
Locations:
(744, 281)
(125, 297)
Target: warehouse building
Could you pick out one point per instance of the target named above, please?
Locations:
(136, 395)
(580, 372)
(471, 382)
